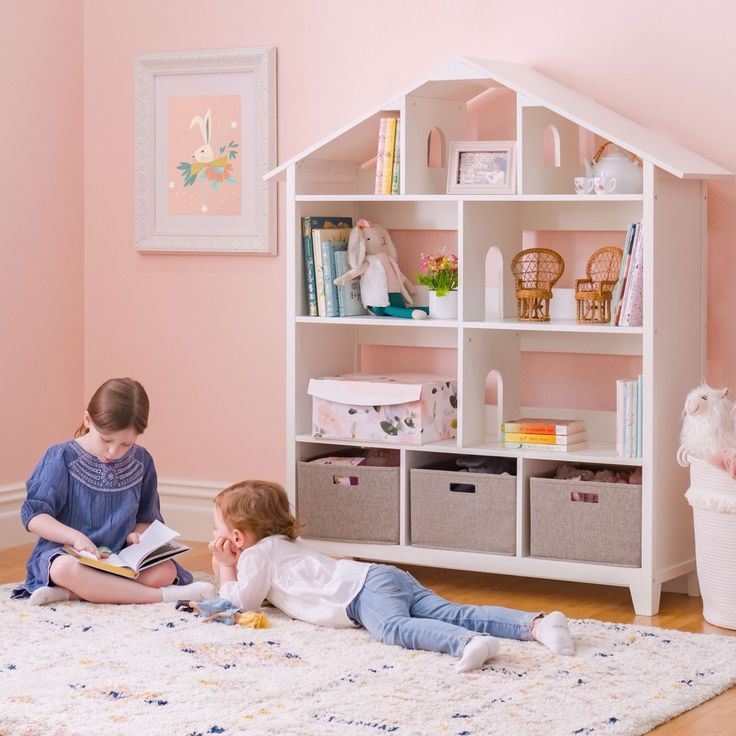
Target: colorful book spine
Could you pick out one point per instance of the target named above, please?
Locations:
(620, 407)
(395, 179)
(379, 155)
(639, 416)
(309, 275)
(552, 448)
(617, 314)
(388, 156)
(633, 302)
(309, 224)
(328, 269)
(546, 439)
(348, 295)
(544, 426)
(324, 240)
(628, 417)
(618, 289)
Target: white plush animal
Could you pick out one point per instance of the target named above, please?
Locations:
(385, 291)
(708, 424)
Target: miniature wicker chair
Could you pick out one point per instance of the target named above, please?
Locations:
(593, 294)
(536, 271)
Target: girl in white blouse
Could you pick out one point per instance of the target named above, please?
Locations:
(257, 555)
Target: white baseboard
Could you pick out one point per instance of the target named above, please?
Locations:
(12, 532)
(186, 505)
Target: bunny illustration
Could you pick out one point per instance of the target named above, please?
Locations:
(204, 154)
(207, 168)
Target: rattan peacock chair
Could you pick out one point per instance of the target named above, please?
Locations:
(536, 271)
(593, 294)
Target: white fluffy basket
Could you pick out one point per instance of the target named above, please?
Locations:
(712, 494)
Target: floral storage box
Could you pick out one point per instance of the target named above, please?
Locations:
(406, 408)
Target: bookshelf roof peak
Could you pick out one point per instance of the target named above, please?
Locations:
(466, 77)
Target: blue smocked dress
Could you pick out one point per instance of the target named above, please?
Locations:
(102, 500)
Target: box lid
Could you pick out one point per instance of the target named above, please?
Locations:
(365, 389)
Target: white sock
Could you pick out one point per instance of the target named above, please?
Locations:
(193, 592)
(552, 631)
(477, 652)
(48, 594)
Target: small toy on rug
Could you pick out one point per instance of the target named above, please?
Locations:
(221, 610)
(709, 428)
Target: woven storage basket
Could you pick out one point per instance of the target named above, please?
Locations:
(367, 510)
(467, 511)
(607, 531)
(712, 495)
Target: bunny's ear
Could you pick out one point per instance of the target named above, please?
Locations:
(390, 243)
(207, 132)
(356, 247)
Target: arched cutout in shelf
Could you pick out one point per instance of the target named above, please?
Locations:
(436, 149)
(493, 402)
(552, 154)
(493, 284)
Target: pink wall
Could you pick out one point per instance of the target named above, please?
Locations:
(41, 289)
(206, 333)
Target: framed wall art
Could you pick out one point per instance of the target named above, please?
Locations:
(205, 126)
(481, 167)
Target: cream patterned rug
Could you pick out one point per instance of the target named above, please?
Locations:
(74, 669)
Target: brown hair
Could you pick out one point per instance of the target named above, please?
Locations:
(259, 507)
(119, 404)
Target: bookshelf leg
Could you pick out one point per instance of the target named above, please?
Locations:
(646, 598)
(693, 586)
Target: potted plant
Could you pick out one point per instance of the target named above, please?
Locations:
(440, 276)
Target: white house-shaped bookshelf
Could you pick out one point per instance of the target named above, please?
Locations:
(554, 129)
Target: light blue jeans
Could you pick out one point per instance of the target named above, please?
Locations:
(396, 609)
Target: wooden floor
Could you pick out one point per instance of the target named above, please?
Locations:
(716, 717)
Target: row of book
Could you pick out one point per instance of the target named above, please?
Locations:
(388, 159)
(627, 301)
(325, 252)
(557, 435)
(629, 417)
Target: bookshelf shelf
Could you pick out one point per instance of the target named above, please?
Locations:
(575, 198)
(334, 178)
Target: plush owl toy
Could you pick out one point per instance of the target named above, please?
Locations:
(709, 428)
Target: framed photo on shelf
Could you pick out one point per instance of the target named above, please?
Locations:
(205, 134)
(481, 167)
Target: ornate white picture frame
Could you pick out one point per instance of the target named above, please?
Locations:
(205, 134)
(481, 167)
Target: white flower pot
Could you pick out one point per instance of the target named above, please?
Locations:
(443, 307)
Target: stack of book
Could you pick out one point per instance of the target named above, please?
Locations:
(627, 302)
(324, 246)
(388, 159)
(558, 435)
(628, 417)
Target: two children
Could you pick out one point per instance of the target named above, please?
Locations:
(98, 490)
(256, 554)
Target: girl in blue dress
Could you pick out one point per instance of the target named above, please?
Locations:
(99, 490)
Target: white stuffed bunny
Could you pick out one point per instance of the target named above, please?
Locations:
(372, 258)
(204, 154)
(708, 424)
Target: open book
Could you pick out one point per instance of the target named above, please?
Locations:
(156, 546)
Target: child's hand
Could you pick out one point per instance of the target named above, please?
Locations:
(223, 552)
(82, 543)
(133, 538)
